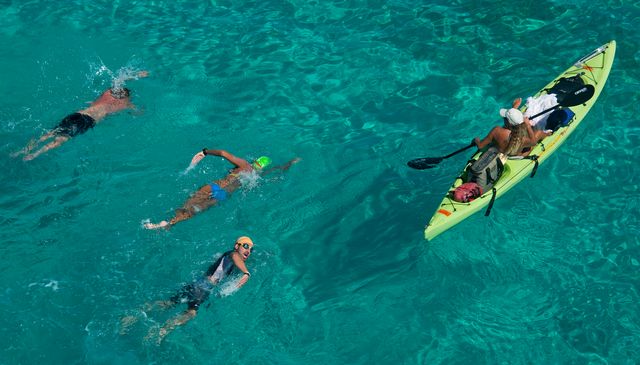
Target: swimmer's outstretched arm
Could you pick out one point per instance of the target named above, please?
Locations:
(239, 162)
(138, 75)
(135, 110)
(284, 167)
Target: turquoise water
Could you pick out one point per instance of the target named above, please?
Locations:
(341, 273)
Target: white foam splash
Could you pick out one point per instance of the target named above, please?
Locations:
(228, 288)
(53, 284)
(249, 179)
(123, 74)
(118, 78)
(186, 171)
(102, 70)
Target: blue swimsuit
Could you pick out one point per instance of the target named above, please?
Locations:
(217, 192)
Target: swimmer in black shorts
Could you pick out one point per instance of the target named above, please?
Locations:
(197, 292)
(111, 101)
(74, 124)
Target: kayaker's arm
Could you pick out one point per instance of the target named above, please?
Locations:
(527, 123)
(516, 103)
(535, 136)
(486, 140)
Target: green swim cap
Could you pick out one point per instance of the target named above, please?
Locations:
(262, 162)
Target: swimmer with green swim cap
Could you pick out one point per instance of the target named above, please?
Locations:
(218, 190)
(262, 162)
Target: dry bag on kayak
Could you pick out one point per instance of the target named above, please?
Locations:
(486, 170)
(564, 86)
(467, 192)
(482, 174)
(559, 118)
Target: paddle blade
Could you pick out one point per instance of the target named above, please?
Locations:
(424, 163)
(579, 96)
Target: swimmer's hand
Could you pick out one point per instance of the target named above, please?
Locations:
(135, 110)
(142, 74)
(243, 280)
(295, 160)
(196, 159)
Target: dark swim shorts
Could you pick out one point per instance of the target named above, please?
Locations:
(74, 124)
(194, 294)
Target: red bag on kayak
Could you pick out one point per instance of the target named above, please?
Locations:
(467, 192)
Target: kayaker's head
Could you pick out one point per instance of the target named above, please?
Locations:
(512, 117)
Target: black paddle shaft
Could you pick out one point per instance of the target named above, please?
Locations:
(577, 97)
(430, 162)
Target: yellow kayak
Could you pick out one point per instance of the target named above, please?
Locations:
(593, 69)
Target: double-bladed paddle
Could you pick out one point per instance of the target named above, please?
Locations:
(431, 162)
(577, 97)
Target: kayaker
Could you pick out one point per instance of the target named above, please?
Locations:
(516, 137)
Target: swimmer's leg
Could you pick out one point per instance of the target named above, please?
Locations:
(159, 304)
(32, 144)
(201, 200)
(172, 323)
(128, 321)
(25, 149)
(54, 144)
(47, 136)
(181, 215)
(162, 224)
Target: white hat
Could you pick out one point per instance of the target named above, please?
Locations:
(513, 116)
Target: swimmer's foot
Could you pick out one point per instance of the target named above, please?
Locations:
(163, 224)
(161, 333)
(156, 335)
(18, 153)
(152, 335)
(25, 150)
(126, 323)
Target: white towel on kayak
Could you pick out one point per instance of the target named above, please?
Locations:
(537, 105)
